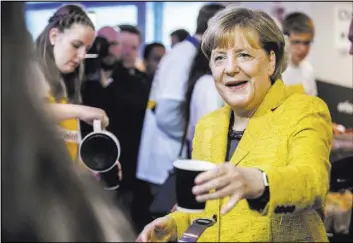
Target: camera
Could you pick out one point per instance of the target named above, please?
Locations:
(96, 58)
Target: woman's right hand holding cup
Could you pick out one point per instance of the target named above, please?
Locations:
(162, 229)
(88, 114)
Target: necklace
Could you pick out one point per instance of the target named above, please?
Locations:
(234, 134)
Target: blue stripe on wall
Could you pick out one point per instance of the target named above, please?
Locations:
(158, 20)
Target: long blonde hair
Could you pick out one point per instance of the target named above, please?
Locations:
(68, 85)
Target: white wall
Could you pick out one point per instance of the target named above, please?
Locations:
(330, 64)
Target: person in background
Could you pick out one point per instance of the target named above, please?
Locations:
(152, 55)
(130, 37)
(130, 40)
(99, 71)
(177, 36)
(113, 37)
(201, 95)
(271, 148)
(299, 75)
(61, 49)
(124, 99)
(44, 197)
(164, 122)
(130, 88)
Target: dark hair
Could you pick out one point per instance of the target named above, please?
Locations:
(148, 49)
(200, 66)
(61, 85)
(181, 34)
(205, 13)
(298, 23)
(130, 29)
(44, 198)
(100, 47)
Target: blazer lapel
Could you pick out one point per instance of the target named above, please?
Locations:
(219, 137)
(256, 128)
(260, 122)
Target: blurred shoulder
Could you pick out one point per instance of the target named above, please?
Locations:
(206, 79)
(184, 49)
(306, 65)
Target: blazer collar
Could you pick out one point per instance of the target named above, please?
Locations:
(259, 123)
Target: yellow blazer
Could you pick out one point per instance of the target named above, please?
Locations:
(295, 88)
(289, 137)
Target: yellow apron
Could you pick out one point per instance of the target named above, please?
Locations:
(70, 130)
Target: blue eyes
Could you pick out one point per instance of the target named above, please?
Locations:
(239, 55)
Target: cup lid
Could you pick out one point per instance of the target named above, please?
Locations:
(193, 165)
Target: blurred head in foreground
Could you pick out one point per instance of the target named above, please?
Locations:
(44, 197)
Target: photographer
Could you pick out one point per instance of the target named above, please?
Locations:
(99, 65)
(122, 92)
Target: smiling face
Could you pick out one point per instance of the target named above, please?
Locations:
(70, 46)
(242, 70)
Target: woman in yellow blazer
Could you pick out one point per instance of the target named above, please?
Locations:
(273, 184)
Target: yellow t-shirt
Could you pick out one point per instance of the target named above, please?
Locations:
(70, 129)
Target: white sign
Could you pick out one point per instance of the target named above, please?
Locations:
(342, 20)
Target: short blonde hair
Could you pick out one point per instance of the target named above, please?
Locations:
(256, 26)
(286, 45)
